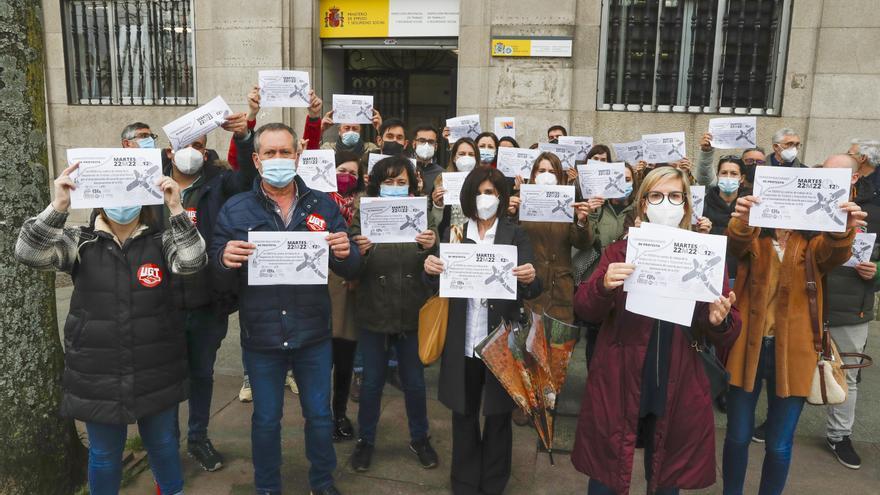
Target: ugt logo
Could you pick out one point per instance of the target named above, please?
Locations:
(333, 18)
(149, 275)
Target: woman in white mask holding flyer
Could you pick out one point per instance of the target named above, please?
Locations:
(481, 453)
(646, 384)
(463, 157)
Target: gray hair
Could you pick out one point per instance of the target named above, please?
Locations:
(870, 149)
(131, 129)
(273, 127)
(779, 135)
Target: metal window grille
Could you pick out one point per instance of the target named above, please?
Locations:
(129, 52)
(702, 56)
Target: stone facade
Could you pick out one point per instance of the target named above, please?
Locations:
(830, 95)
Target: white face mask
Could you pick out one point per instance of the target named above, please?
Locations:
(425, 151)
(789, 154)
(545, 179)
(666, 213)
(465, 163)
(487, 206)
(188, 160)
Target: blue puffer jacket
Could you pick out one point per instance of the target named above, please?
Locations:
(278, 316)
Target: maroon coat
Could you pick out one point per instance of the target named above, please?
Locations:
(684, 440)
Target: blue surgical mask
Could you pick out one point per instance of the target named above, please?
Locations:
(390, 191)
(350, 138)
(278, 172)
(627, 189)
(123, 215)
(487, 155)
(147, 142)
(728, 185)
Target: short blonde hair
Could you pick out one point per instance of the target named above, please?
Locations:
(657, 176)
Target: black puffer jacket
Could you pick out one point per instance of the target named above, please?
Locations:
(718, 211)
(849, 297)
(125, 351)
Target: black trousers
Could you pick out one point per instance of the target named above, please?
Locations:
(343, 363)
(480, 459)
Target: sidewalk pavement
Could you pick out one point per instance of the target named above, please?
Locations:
(395, 469)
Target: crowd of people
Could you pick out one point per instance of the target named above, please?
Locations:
(135, 348)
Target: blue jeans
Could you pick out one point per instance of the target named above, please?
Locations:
(782, 420)
(205, 331)
(311, 369)
(359, 360)
(374, 348)
(159, 434)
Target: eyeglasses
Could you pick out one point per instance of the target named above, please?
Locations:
(144, 136)
(752, 161)
(432, 142)
(655, 197)
(794, 144)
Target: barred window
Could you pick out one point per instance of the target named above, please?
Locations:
(129, 52)
(702, 56)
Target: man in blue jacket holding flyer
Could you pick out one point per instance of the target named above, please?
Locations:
(283, 326)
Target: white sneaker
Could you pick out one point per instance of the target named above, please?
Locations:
(290, 382)
(245, 395)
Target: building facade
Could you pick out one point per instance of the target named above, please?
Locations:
(635, 66)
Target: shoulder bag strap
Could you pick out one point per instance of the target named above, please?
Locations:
(813, 298)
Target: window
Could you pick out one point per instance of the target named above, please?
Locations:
(704, 56)
(134, 52)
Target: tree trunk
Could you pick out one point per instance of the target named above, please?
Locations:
(40, 453)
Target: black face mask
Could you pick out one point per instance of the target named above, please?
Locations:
(392, 148)
(750, 174)
(554, 141)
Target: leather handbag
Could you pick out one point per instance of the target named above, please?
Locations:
(716, 372)
(829, 385)
(434, 317)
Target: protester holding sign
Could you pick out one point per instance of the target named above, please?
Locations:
(390, 293)
(776, 343)
(481, 456)
(125, 349)
(666, 406)
(553, 243)
(462, 158)
(283, 325)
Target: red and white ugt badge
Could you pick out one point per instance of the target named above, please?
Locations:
(316, 223)
(191, 213)
(149, 275)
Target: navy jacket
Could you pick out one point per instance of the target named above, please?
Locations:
(280, 316)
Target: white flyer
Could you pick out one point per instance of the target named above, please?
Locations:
(546, 203)
(452, 183)
(602, 179)
(478, 271)
(664, 148)
(678, 311)
(862, 247)
(374, 158)
(353, 109)
(464, 126)
(288, 258)
(505, 127)
(184, 130)
(385, 220)
(109, 177)
(698, 202)
(284, 88)
(584, 143)
(516, 161)
(631, 152)
(676, 261)
(567, 153)
(800, 198)
(734, 132)
(318, 169)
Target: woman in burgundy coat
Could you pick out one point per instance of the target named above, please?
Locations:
(647, 386)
